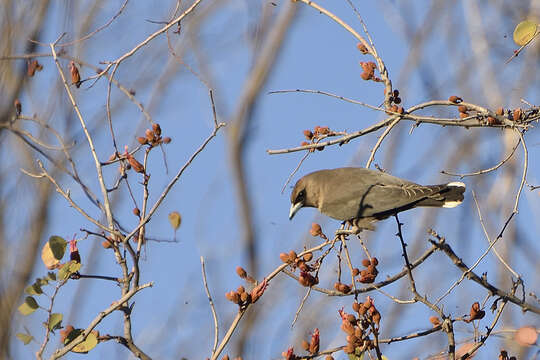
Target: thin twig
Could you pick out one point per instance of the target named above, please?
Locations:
(525, 166)
(485, 171)
(212, 308)
(99, 171)
(301, 306)
(489, 240)
(88, 36)
(380, 140)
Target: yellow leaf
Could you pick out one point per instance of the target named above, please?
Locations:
(175, 219)
(88, 344)
(25, 338)
(55, 321)
(53, 251)
(525, 32)
(29, 306)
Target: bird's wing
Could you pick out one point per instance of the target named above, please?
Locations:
(364, 199)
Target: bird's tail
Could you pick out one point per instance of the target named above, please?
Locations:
(446, 195)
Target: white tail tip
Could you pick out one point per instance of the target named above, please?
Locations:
(451, 204)
(456, 184)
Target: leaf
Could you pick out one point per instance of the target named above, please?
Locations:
(526, 336)
(29, 306)
(175, 219)
(88, 344)
(67, 269)
(58, 246)
(53, 251)
(34, 289)
(51, 276)
(42, 281)
(525, 32)
(25, 338)
(55, 321)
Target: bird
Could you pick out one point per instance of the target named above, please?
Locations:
(362, 196)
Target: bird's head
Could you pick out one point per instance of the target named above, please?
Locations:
(303, 195)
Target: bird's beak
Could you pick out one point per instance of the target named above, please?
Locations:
(294, 209)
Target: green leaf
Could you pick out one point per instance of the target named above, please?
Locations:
(525, 32)
(34, 289)
(58, 246)
(55, 321)
(175, 219)
(25, 338)
(29, 306)
(67, 269)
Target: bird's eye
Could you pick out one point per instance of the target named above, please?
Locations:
(301, 196)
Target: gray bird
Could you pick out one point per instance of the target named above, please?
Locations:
(362, 196)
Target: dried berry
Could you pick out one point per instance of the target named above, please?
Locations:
(75, 76)
(308, 256)
(362, 48)
(137, 166)
(516, 114)
(435, 321)
(462, 108)
(308, 134)
(476, 313)
(343, 288)
(33, 66)
(18, 107)
(315, 341)
(347, 327)
(167, 140)
(136, 212)
(324, 130)
(157, 129)
(366, 262)
(499, 111)
(455, 99)
(141, 140)
(492, 121)
(241, 272)
(284, 257)
(315, 230)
